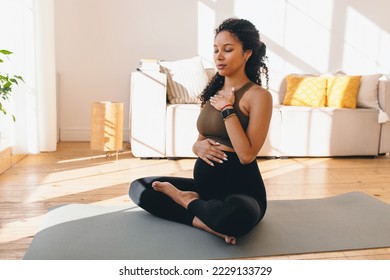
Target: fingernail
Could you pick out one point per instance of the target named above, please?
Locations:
(221, 161)
(225, 159)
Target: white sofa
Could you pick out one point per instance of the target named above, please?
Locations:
(159, 129)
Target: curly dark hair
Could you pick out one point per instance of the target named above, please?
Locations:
(255, 67)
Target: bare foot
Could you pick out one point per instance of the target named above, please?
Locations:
(230, 240)
(199, 224)
(183, 198)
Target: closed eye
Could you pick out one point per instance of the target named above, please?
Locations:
(225, 50)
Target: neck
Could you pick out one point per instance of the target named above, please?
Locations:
(236, 81)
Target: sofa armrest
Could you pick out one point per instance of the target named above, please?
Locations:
(384, 104)
(147, 113)
(384, 95)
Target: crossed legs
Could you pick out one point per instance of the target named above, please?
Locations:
(184, 198)
(227, 218)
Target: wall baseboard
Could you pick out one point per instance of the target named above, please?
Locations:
(83, 134)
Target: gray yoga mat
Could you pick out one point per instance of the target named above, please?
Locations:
(345, 222)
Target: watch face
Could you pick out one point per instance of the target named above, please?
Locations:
(227, 112)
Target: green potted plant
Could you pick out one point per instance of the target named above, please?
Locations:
(7, 82)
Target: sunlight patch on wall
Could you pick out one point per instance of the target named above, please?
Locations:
(319, 12)
(366, 45)
(276, 63)
(268, 16)
(307, 38)
(206, 23)
(297, 30)
(384, 52)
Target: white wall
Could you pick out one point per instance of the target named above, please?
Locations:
(99, 42)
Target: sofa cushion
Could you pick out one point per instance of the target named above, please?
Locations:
(342, 91)
(305, 91)
(328, 131)
(186, 80)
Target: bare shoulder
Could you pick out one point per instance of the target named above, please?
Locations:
(256, 99)
(258, 94)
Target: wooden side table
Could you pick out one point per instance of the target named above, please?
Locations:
(106, 127)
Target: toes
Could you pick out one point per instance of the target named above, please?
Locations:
(230, 240)
(161, 184)
(194, 194)
(158, 185)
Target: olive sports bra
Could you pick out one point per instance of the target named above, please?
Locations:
(211, 125)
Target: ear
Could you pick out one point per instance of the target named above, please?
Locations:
(247, 54)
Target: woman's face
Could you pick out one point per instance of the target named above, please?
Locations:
(229, 56)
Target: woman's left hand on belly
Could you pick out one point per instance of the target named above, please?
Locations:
(209, 151)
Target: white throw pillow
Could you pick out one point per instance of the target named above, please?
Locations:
(186, 79)
(368, 92)
(368, 95)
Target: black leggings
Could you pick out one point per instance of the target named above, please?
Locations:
(232, 196)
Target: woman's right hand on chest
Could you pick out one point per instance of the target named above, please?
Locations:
(207, 150)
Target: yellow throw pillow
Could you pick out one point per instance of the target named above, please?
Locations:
(342, 91)
(305, 91)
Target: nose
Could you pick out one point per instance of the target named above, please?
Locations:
(218, 56)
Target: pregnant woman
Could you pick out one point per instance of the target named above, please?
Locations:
(226, 196)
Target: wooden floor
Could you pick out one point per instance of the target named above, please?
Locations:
(71, 175)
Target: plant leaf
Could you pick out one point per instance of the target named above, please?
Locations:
(19, 77)
(14, 81)
(7, 85)
(5, 52)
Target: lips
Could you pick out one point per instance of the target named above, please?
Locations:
(221, 66)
